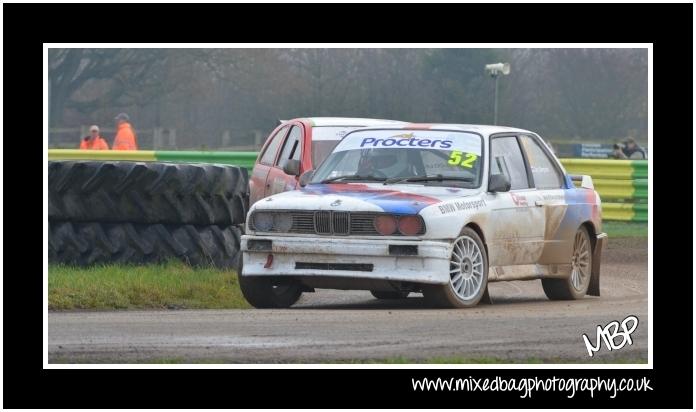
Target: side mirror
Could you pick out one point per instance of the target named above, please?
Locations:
(291, 167)
(306, 177)
(498, 183)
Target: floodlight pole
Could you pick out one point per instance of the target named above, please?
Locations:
(495, 101)
(495, 70)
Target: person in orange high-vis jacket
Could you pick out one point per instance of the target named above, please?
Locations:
(93, 141)
(125, 136)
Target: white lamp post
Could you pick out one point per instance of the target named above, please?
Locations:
(495, 70)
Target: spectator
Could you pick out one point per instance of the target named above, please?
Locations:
(125, 137)
(94, 141)
(632, 150)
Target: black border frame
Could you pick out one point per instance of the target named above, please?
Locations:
(27, 384)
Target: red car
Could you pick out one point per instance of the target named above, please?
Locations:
(296, 146)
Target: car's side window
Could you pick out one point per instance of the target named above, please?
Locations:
(269, 154)
(546, 176)
(292, 149)
(506, 158)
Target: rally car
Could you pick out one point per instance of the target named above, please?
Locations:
(441, 209)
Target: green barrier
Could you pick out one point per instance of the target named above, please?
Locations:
(641, 212)
(640, 169)
(630, 212)
(622, 189)
(77, 154)
(622, 185)
(641, 189)
(607, 168)
(617, 211)
(242, 159)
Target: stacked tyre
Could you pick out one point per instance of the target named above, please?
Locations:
(145, 212)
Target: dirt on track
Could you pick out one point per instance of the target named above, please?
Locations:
(330, 325)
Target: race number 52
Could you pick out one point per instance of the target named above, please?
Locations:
(467, 160)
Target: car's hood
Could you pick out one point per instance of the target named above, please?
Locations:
(406, 199)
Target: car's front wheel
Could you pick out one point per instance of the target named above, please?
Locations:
(468, 274)
(261, 293)
(575, 287)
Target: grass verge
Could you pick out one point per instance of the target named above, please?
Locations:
(177, 286)
(625, 229)
(167, 286)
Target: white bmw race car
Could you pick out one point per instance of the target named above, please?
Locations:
(441, 209)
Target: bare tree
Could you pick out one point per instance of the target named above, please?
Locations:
(85, 79)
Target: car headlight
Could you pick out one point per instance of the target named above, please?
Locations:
(263, 221)
(282, 222)
(410, 225)
(385, 224)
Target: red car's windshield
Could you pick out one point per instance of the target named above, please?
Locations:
(321, 149)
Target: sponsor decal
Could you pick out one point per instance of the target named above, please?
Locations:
(406, 142)
(468, 145)
(554, 197)
(519, 200)
(457, 158)
(461, 205)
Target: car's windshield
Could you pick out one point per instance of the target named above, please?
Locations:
(321, 149)
(324, 139)
(450, 158)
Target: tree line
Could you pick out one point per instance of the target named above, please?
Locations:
(585, 94)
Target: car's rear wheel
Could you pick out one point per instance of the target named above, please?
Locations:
(575, 287)
(468, 274)
(380, 294)
(262, 293)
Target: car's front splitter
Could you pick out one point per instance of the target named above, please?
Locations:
(380, 259)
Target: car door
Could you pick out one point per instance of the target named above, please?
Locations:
(278, 181)
(550, 186)
(267, 158)
(517, 222)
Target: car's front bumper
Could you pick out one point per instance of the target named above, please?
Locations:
(346, 258)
